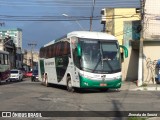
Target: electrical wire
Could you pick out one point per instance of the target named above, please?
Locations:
(57, 18)
(65, 3)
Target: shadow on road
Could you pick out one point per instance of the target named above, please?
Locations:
(84, 91)
(7, 82)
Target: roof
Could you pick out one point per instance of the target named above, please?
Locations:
(10, 29)
(92, 35)
(84, 34)
(51, 42)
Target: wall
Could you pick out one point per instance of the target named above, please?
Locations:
(130, 64)
(151, 52)
(27, 58)
(152, 19)
(126, 16)
(110, 21)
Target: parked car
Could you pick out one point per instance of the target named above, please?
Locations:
(28, 74)
(34, 75)
(24, 74)
(16, 74)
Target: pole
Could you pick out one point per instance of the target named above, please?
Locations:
(32, 47)
(140, 66)
(91, 18)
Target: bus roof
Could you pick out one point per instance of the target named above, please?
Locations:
(92, 35)
(50, 43)
(84, 34)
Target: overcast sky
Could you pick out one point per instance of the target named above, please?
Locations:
(42, 20)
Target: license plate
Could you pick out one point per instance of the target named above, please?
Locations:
(103, 84)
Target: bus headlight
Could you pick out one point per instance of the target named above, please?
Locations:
(86, 83)
(118, 77)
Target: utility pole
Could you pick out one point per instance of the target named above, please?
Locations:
(140, 65)
(32, 47)
(91, 18)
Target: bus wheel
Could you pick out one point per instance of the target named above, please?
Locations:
(69, 85)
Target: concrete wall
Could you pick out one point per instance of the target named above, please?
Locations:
(115, 25)
(121, 15)
(151, 52)
(130, 65)
(152, 19)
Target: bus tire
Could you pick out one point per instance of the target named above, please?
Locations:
(69, 85)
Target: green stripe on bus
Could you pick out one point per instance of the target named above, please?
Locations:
(88, 83)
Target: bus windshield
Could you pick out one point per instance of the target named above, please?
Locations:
(100, 56)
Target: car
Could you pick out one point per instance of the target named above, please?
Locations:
(34, 75)
(24, 73)
(15, 75)
(28, 74)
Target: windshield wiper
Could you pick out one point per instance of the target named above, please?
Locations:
(96, 64)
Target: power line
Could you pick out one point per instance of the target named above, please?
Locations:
(60, 18)
(68, 3)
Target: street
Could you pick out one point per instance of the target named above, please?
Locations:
(32, 96)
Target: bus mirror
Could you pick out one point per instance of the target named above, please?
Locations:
(79, 51)
(125, 50)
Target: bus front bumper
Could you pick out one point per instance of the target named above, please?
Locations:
(88, 83)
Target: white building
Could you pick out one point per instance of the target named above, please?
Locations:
(152, 19)
(15, 34)
(151, 42)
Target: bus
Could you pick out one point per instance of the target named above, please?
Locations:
(82, 59)
(4, 66)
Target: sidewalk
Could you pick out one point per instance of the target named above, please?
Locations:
(129, 85)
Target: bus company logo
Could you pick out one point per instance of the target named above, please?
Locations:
(6, 114)
(49, 63)
(103, 77)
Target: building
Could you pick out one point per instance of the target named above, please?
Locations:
(115, 18)
(151, 39)
(131, 39)
(117, 21)
(15, 34)
(7, 44)
(27, 60)
(11, 41)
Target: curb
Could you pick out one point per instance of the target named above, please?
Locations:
(147, 89)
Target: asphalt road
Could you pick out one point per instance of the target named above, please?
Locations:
(32, 96)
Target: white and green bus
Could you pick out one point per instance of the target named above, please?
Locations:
(82, 59)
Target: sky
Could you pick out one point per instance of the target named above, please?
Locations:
(42, 21)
